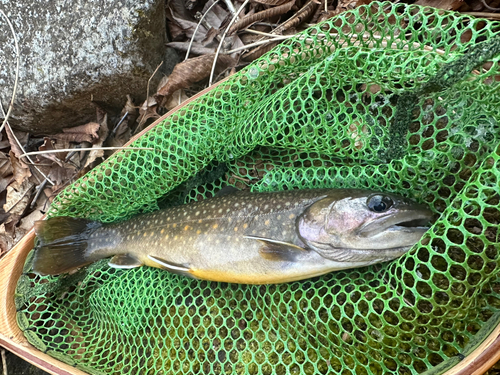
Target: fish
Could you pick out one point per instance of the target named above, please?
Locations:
(243, 237)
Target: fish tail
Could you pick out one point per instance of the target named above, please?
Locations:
(62, 242)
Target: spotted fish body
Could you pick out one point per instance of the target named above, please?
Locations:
(244, 237)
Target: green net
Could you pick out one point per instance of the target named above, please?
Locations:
(399, 98)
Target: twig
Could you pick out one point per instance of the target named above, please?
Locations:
(495, 16)
(230, 8)
(488, 7)
(147, 90)
(38, 189)
(14, 91)
(326, 6)
(113, 132)
(233, 20)
(84, 149)
(8, 128)
(197, 27)
(4, 362)
(260, 42)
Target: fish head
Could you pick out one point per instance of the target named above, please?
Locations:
(363, 226)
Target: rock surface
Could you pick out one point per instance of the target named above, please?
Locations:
(73, 52)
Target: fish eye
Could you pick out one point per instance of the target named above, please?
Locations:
(379, 203)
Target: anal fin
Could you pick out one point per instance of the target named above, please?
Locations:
(171, 267)
(277, 250)
(124, 261)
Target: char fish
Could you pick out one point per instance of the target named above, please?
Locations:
(254, 238)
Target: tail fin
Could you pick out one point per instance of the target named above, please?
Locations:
(62, 244)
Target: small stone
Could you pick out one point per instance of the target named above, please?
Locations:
(78, 51)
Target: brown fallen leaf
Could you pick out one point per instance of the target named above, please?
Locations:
(48, 145)
(6, 171)
(60, 174)
(298, 18)
(209, 37)
(265, 14)
(102, 117)
(270, 2)
(191, 71)
(175, 99)
(18, 197)
(78, 134)
(14, 146)
(196, 48)
(4, 141)
(441, 4)
(147, 110)
(20, 170)
(5, 166)
(6, 240)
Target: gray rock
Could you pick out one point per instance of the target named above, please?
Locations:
(73, 52)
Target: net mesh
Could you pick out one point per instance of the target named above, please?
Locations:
(317, 111)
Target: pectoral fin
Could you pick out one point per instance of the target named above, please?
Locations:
(277, 250)
(171, 267)
(124, 261)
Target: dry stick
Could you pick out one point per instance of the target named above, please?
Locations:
(284, 37)
(38, 189)
(85, 149)
(113, 132)
(197, 27)
(231, 8)
(488, 7)
(22, 148)
(11, 104)
(147, 91)
(268, 13)
(259, 43)
(4, 362)
(483, 14)
(222, 41)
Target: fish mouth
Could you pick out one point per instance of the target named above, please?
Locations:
(415, 222)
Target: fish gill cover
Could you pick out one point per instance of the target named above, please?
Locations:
(323, 109)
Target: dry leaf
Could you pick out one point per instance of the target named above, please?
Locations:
(4, 142)
(57, 157)
(147, 111)
(270, 2)
(78, 134)
(265, 14)
(21, 171)
(6, 240)
(209, 37)
(196, 48)
(441, 4)
(61, 174)
(17, 198)
(5, 166)
(14, 146)
(6, 171)
(102, 135)
(191, 71)
(27, 222)
(174, 100)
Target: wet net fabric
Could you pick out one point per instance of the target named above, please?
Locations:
(320, 110)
